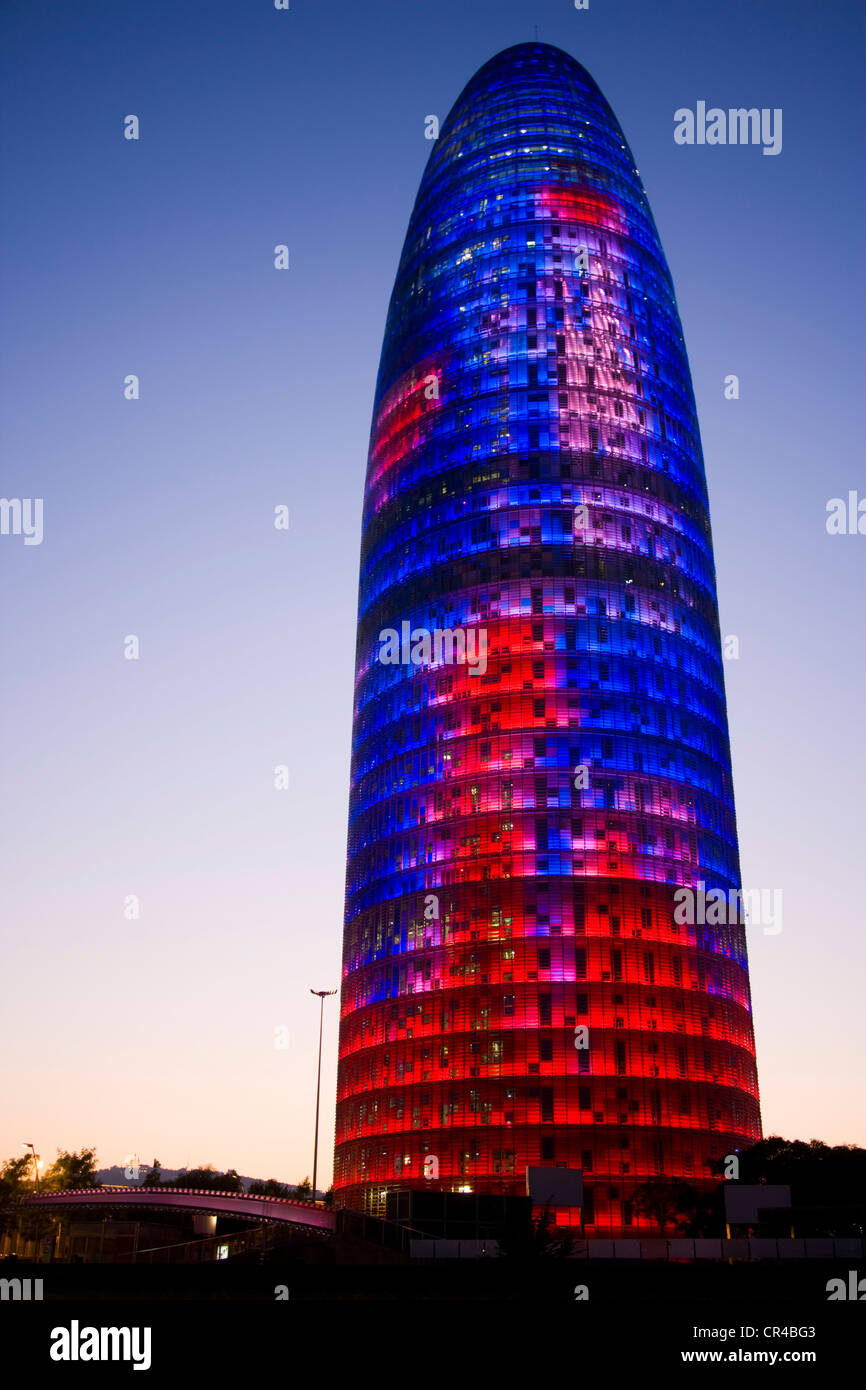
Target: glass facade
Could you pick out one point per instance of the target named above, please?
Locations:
(540, 747)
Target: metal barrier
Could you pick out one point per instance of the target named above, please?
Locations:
(805, 1248)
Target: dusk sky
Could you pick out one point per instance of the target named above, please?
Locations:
(155, 777)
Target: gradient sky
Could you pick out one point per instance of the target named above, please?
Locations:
(155, 777)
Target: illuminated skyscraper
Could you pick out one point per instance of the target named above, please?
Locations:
(540, 750)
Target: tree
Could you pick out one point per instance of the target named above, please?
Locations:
(15, 1184)
(537, 1238)
(304, 1189)
(271, 1188)
(233, 1181)
(328, 1199)
(70, 1170)
(15, 1180)
(154, 1177)
(209, 1179)
(827, 1183)
(708, 1218)
(666, 1202)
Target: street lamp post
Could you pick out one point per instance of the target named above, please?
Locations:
(32, 1149)
(322, 995)
(35, 1163)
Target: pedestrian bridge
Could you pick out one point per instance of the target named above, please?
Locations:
(285, 1210)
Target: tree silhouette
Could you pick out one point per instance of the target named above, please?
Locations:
(827, 1183)
(209, 1179)
(270, 1188)
(666, 1202)
(15, 1184)
(154, 1177)
(71, 1170)
(537, 1238)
